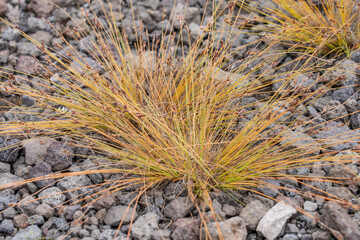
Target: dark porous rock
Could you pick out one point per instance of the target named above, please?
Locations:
(330, 109)
(5, 167)
(69, 211)
(32, 232)
(28, 48)
(116, 214)
(351, 105)
(340, 192)
(355, 120)
(344, 94)
(110, 234)
(233, 228)
(28, 205)
(52, 196)
(337, 218)
(9, 155)
(27, 101)
(186, 229)
(59, 156)
(34, 24)
(175, 189)
(345, 71)
(269, 187)
(106, 201)
(39, 170)
(7, 227)
(75, 186)
(10, 34)
(6, 200)
(337, 136)
(178, 208)
(42, 36)
(36, 220)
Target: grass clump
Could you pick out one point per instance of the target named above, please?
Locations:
(315, 26)
(159, 114)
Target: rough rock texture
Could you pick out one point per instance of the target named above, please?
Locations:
(116, 214)
(233, 228)
(253, 212)
(145, 226)
(179, 208)
(186, 229)
(271, 225)
(337, 218)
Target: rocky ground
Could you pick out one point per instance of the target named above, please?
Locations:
(161, 214)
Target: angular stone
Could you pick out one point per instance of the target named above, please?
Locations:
(145, 226)
(253, 212)
(27, 65)
(3, 7)
(52, 196)
(42, 8)
(186, 229)
(116, 214)
(75, 186)
(271, 225)
(10, 180)
(233, 228)
(178, 208)
(35, 149)
(9, 155)
(40, 170)
(7, 227)
(32, 232)
(59, 156)
(337, 218)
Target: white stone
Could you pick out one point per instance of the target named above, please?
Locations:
(271, 225)
(310, 206)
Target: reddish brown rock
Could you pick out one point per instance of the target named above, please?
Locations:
(27, 65)
(42, 8)
(3, 7)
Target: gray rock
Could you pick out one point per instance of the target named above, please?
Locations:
(9, 155)
(4, 56)
(355, 120)
(345, 71)
(3, 8)
(45, 210)
(39, 170)
(86, 44)
(116, 214)
(343, 94)
(186, 229)
(52, 196)
(216, 212)
(5, 167)
(330, 109)
(355, 56)
(189, 14)
(290, 237)
(229, 210)
(7, 200)
(78, 185)
(233, 228)
(310, 206)
(34, 24)
(32, 232)
(153, 4)
(7, 227)
(253, 212)
(59, 156)
(27, 205)
(340, 192)
(270, 191)
(337, 137)
(109, 234)
(178, 208)
(145, 226)
(273, 222)
(36, 220)
(300, 140)
(10, 34)
(83, 233)
(36, 148)
(10, 180)
(27, 101)
(175, 189)
(28, 48)
(337, 218)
